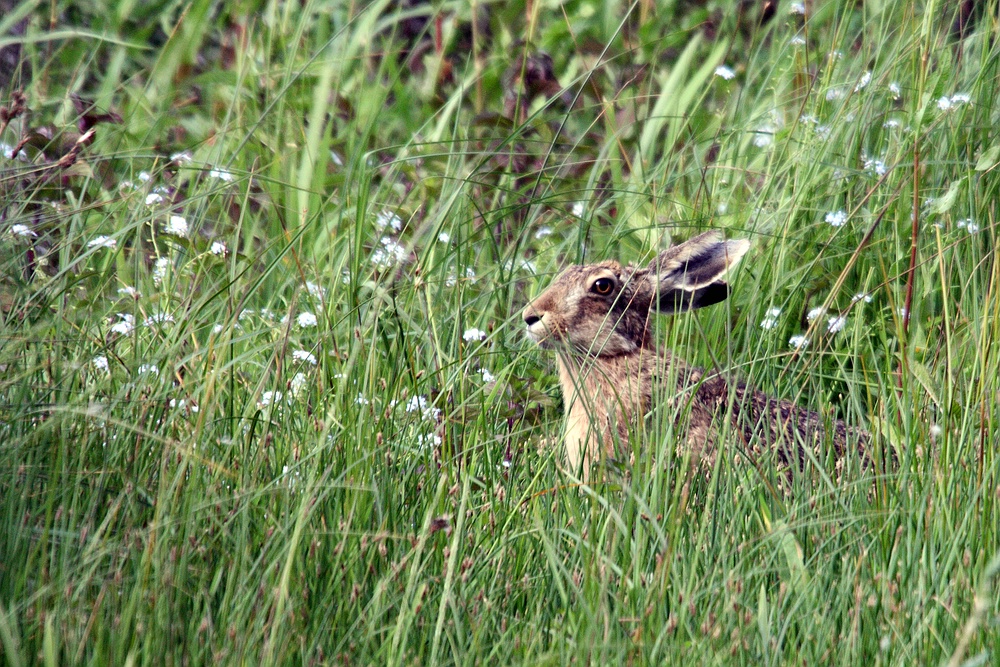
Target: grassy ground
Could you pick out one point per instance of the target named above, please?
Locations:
(264, 393)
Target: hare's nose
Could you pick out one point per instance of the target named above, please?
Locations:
(530, 317)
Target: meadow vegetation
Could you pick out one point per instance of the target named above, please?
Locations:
(265, 396)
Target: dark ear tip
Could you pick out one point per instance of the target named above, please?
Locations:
(712, 294)
(676, 301)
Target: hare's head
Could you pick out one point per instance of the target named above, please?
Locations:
(603, 309)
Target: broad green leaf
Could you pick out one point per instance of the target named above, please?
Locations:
(923, 376)
(944, 203)
(988, 158)
(798, 576)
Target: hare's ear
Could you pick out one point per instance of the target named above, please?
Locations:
(688, 276)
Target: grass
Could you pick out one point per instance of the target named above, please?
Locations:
(301, 422)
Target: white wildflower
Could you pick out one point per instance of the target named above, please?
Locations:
(861, 296)
(797, 8)
(217, 329)
(8, 152)
(444, 237)
(891, 124)
(866, 78)
(724, 72)
(148, 369)
(158, 318)
(764, 136)
(125, 326)
(815, 313)
(269, 398)
(103, 242)
(577, 209)
(100, 363)
(836, 324)
(895, 90)
(470, 274)
(770, 318)
(836, 218)
(183, 157)
(422, 405)
(361, 400)
(177, 225)
(304, 355)
(798, 40)
(936, 431)
(298, 383)
(218, 248)
(487, 376)
(451, 280)
(317, 291)
(22, 230)
(473, 334)
(388, 219)
(960, 98)
(968, 224)
(306, 320)
(154, 198)
(834, 93)
(391, 252)
(429, 440)
(874, 165)
(129, 291)
(798, 342)
(222, 175)
(944, 103)
(542, 232)
(183, 403)
(160, 269)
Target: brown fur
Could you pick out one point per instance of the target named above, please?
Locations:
(609, 363)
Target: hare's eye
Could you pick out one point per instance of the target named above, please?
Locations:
(603, 286)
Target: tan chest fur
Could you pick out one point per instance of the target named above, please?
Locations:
(602, 398)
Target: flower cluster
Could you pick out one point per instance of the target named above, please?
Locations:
(836, 218)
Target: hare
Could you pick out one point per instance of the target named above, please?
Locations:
(597, 319)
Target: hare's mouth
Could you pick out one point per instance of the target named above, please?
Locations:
(540, 334)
